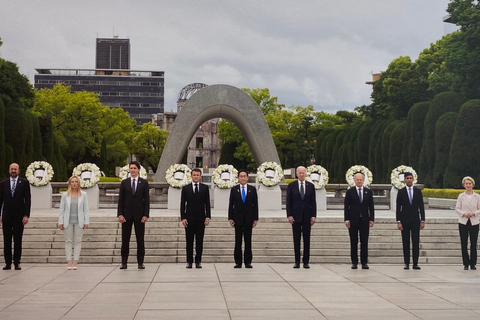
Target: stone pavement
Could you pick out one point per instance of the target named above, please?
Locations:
(218, 291)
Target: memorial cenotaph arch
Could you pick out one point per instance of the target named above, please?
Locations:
(218, 101)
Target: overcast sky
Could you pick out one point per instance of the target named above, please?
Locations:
(307, 52)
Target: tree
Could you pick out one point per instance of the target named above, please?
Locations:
(414, 133)
(148, 145)
(80, 123)
(262, 97)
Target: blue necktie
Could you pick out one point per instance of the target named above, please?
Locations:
(243, 194)
(360, 195)
(410, 195)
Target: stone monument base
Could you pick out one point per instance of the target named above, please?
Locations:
(174, 196)
(221, 198)
(41, 196)
(270, 198)
(321, 196)
(93, 195)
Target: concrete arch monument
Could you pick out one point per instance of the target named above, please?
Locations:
(218, 101)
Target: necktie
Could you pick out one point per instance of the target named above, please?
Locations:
(243, 194)
(196, 187)
(133, 186)
(13, 187)
(302, 190)
(360, 195)
(410, 195)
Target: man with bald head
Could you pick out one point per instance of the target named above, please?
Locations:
(359, 216)
(15, 199)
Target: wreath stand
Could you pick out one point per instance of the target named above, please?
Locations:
(269, 198)
(41, 196)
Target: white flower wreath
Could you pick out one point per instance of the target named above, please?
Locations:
(317, 175)
(125, 173)
(178, 175)
(88, 173)
(397, 176)
(350, 175)
(269, 174)
(225, 176)
(39, 173)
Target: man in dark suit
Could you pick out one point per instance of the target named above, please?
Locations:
(301, 213)
(195, 215)
(243, 216)
(410, 219)
(359, 217)
(16, 201)
(133, 209)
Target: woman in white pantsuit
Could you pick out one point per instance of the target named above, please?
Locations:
(73, 219)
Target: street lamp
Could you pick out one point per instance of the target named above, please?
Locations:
(310, 150)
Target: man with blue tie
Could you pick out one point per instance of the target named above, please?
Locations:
(243, 216)
(359, 214)
(15, 198)
(301, 213)
(410, 219)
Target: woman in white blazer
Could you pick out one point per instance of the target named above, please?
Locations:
(468, 208)
(73, 219)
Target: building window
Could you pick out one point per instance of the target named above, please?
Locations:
(199, 161)
(199, 143)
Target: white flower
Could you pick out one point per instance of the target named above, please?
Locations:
(39, 181)
(125, 173)
(225, 184)
(91, 174)
(395, 176)
(322, 172)
(268, 181)
(350, 175)
(187, 176)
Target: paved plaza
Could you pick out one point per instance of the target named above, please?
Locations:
(218, 291)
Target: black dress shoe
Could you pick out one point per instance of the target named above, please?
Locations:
(306, 266)
(237, 266)
(198, 265)
(141, 266)
(473, 267)
(296, 265)
(354, 266)
(189, 266)
(17, 267)
(465, 267)
(123, 266)
(416, 267)
(365, 266)
(248, 266)
(406, 267)
(7, 267)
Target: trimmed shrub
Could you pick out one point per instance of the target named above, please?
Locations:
(441, 104)
(397, 146)
(414, 133)
(464, 157)
(444, 130)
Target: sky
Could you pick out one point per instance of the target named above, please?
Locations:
(307, 52)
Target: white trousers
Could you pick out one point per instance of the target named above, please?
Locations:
(73, 235)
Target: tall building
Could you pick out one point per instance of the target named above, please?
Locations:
(139, 92)
(112, 53)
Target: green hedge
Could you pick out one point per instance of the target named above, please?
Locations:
(444, 193)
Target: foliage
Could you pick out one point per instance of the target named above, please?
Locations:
(465, 147)
(15, 89)
(80, 123)
(414, 133)
(148, 145)
(444, 193)
(444, 130)
(441, 103)
(397, 145)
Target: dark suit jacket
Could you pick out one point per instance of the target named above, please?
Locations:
(410, 213)
(134, 205)
(195, 207)
(18, 206)
(241, 212)
(353, 207)
(296, 207)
